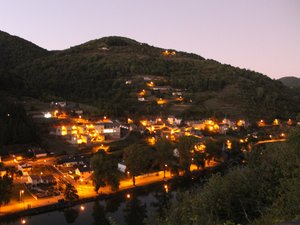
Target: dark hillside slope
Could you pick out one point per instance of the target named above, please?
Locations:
(95, 73)
(15, 51)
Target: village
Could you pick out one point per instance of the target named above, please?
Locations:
(41, 174)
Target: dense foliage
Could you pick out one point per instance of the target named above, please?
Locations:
(95, 73)
(16, 127)
(5, 189)
(15, 50)
(70, 193)
(105, 171)
(266, 191)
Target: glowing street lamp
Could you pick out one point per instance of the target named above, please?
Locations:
(23, 221)
(82, 208)
(21, 193)
(166, 188)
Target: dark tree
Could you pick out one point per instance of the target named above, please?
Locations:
(105, 171)
(70, 193)
(5, 189)
(165, 155)
(138, 159)
(185, 147)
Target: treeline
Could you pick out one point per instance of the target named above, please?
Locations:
(265, 191)
(16, 127)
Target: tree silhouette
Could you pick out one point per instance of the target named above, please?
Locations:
(70, 193)
(105, 171)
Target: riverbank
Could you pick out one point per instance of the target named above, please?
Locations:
(47, 205)
(86, 193)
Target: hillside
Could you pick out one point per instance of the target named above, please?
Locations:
(15, 50)
(292, 82)
(96, 73)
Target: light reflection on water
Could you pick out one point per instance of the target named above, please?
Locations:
(141, 205)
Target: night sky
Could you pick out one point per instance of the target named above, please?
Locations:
(261, 35)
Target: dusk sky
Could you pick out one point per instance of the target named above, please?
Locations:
(261, 35)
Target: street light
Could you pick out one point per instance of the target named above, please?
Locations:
(165, 170)
(21, 192)
(23, 221)
(128, 196)
(82, 208)
(166, 188)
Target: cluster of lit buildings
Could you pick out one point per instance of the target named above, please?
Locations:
(276, 122)
(86, 132)
(173, 127)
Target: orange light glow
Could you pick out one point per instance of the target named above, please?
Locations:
(240, 123)
(161, 101)
(150, 84)
(261, 123)
(64, 131)
(229, 144)
(276, 122)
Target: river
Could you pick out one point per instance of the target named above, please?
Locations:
(126, 208)
(122, 209)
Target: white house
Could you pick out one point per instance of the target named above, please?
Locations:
(34, 180)
(84, 172)
(122, 167)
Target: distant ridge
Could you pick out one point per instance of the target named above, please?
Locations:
(290, 81)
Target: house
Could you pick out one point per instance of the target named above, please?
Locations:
(173, 120)
(38, 152)
(141, 99)
(84, 172)
(223, 128)
(110, 129)
(78, 111)
(73, 140)
(122, 167)
(2, 172)
(71, 161)
(34, 180)
(48, 179)
(176, 153)
(38, 115)
(26, 167)
(177, 93)
(162, 89)
(18, 156)
(104, 48)
(80, 139)
(197, 125)
(62, 130)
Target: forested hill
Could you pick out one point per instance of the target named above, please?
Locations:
(96, 73)
(15, 51)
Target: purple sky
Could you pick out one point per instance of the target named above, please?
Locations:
(261, 35)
